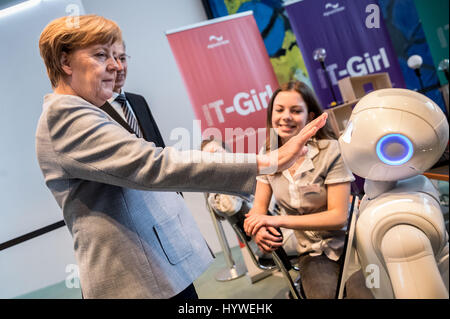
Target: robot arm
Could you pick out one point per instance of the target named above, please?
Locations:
(411, 264)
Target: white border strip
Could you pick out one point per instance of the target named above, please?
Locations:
(208, 22)
(18, 7)
(289, 2)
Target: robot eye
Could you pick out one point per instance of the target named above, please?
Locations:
(394, 149)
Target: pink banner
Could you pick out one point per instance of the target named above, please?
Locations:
(229, 78)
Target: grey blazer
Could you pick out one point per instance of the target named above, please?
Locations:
(133, 235)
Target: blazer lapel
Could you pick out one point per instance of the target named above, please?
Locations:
(141, 116)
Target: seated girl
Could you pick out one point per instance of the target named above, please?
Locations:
(314, 193)
(225, 206)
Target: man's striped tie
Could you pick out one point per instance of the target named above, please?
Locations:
(129, 116)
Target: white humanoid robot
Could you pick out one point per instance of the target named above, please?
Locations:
(392, 137)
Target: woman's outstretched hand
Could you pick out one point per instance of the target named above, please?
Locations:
(286, 155)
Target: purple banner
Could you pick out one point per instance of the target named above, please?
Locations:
(354, 37)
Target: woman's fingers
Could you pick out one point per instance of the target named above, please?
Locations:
(268, 247)
(264, 235)
(273, 230)
(266, 241)
(251, 224)
(273, 244)
(312, 127)
(254, 223)
(248, 224)
(318, 122)
(256, 226)
(269, 236)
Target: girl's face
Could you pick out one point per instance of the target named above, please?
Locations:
(289, 114)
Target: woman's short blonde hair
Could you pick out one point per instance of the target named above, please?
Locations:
(67, 34)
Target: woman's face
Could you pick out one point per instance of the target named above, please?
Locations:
(92, 72)
(289, 114)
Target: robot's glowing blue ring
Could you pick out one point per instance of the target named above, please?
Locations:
(397, 138)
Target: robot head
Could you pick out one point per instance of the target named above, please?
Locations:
(393, 134)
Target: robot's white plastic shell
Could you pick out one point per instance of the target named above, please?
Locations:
(400, 228)
(399, 206)
(391, 111)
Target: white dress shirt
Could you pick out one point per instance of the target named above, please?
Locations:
(118, 108)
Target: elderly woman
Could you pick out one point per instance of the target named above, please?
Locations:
(133, 234)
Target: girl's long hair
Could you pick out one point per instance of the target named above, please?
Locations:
(312, 105)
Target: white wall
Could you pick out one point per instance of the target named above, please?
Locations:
(26, 203)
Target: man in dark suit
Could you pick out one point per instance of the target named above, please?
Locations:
(132, 106)
(132, 112)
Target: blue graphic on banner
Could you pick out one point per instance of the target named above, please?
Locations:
(276, 32)
(268, 17)
(353, 46)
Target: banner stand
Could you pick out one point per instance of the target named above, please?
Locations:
(230, 80)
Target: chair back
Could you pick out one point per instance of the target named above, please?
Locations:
(348, 250)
